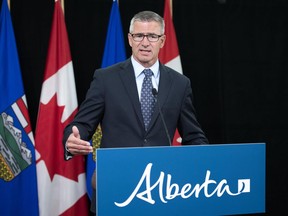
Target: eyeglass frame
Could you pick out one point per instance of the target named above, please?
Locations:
(145, 35)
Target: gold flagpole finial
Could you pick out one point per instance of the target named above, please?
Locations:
(63, 6)
(8, 3)
(171, 8)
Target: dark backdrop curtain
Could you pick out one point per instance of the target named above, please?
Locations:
(233, 51)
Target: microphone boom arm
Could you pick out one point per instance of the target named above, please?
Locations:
(155, 93)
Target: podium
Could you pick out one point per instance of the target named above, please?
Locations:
(193, 180)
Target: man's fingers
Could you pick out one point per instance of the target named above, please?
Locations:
(77, 146)
(75, 132)
(80, 149)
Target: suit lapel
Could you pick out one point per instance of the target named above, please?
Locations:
(163, 92)
(128, 78)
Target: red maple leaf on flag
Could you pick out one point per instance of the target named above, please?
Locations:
(53, 155)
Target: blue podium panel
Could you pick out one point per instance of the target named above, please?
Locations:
(181, 180)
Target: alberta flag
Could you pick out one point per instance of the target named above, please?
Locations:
(114, 52)
(18, 182)
(114, 47)
(169, 54)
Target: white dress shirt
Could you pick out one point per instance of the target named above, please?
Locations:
(139, 76)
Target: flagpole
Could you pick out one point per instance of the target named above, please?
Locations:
(171, 8)
(63, 6)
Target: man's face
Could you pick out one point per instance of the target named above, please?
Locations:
(146, 52)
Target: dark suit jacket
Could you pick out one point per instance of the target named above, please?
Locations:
(113, 101)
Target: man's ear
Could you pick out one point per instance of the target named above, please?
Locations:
(130, 39)
(162, 39)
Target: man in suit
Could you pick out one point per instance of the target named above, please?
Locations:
(114, 98)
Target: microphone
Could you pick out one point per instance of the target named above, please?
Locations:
(155, 93)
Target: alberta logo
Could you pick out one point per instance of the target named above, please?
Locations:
(208, 188)
(14, 154)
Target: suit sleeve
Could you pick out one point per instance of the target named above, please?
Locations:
(90, 112)
(188, 125)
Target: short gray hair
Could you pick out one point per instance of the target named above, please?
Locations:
(147, 16)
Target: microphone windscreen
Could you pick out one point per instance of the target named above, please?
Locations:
(154, 91)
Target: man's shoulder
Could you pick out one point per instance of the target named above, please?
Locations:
(173, 73)
(117, 66)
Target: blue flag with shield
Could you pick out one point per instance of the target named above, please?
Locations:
(18, 182)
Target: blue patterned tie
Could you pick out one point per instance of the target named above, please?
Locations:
(147, 99)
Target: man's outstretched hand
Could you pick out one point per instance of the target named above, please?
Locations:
(75, 145)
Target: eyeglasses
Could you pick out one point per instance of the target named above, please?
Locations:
(140, 37)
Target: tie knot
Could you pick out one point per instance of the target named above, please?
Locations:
(148, 72)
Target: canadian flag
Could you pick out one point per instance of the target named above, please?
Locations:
(61, 184)
(169, 54)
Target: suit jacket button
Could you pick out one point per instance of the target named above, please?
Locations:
(145, 141)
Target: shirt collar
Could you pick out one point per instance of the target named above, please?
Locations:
(138, 68)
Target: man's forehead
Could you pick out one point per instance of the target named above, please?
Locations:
(146, 26)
